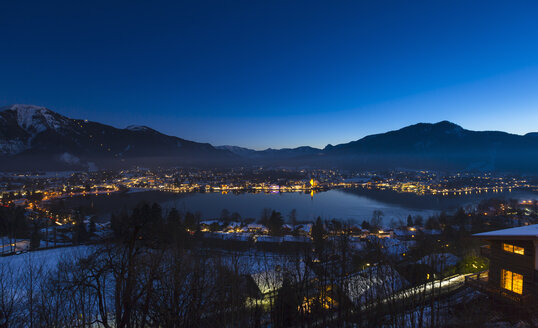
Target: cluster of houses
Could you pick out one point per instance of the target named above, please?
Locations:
(243, 236)
(512, 274)
(253, 228)
(235, 235)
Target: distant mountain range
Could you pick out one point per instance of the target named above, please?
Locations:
(36, 137)
(273, 154)
(442, 145)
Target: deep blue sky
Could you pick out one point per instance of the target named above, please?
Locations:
(275, 73)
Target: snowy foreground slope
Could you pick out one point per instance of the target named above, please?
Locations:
(47, 259)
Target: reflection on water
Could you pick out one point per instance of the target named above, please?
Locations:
(353, 204)
(439, 202)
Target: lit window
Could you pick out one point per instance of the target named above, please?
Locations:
(513, 249)
(519, 250)
(512, 281)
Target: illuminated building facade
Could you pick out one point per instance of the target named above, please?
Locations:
(513, 268)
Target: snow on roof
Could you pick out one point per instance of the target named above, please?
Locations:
(530, 231)
(402, 232)
(305, 227)
(271, 279)
(256, 226)
(209, 222)
(234, 224)
(372, 283)
(268, 281)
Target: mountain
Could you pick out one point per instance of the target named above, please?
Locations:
(33, 136)
(240, 151)
(273, 154)
(442, 145)
(38, 138)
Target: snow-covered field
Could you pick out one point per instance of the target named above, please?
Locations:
(47, 259)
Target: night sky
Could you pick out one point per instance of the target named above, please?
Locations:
(275, 73)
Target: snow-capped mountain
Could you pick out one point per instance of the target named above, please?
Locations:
(35, 119)
(31, 134)
(19, 124)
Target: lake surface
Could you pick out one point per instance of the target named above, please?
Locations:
(349, 204)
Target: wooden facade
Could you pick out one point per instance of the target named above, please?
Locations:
(512, 262)
(513, 267)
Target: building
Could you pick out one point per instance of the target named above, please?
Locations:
(513, 267)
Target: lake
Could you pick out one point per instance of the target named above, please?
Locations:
(348, 204)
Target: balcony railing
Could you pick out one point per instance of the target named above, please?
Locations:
(479, 279)
(480, 282)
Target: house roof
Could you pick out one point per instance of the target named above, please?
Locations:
(524, 232)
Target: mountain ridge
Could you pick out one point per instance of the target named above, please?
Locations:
(34, 136)
(441, 145)
(29, 133)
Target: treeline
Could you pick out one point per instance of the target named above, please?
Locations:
(153, 272)
(14, 224)
(147, 276)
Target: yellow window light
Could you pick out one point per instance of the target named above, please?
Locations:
(513, 249)
(512, 281)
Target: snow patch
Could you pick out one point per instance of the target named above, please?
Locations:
(35, 119)
(69, 159)
(138, 128)
(12, 147)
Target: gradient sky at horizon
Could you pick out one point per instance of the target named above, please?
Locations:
(275, 74)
